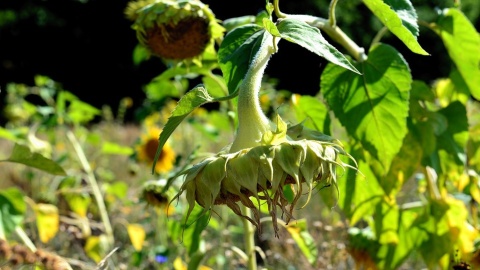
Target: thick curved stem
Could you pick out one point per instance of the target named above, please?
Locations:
(252, 122)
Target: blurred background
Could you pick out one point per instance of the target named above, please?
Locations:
(87, 45)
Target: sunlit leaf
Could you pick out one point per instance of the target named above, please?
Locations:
(400, 17)
(463, 45)
(116, 149)
(443, 226)
(451, 143)
(79, 203)
(373, 107)
(313, 112)
(94, 247)
(237, 51)
(22, 154)
(193, 99)
(359, 193)
(159, 89)
(81, 112)
(271, 27)
(452, 89)
(48, 221)
(140, 54)
(7, 134)
(385, 223)
(12, 209)
(137, 235)
(197, 221)
(392, 256)
(404, 164)
(118, 189)
(215, 84)
(310, 38)
(299, 232)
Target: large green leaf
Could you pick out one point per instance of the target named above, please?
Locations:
(400, 18)
(463, 45)
(385, 224)
(404, 165)
(372, 107)
(449, 159)
(313, 112)
(359, 193)
(192, 230)
(455, 137)
(237, 51)
(310, 38)
(12, 210)
(22, 154)
(191, 100)
(392, 256)
(443, 227)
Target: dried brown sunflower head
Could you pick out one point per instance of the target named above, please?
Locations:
(174, 30)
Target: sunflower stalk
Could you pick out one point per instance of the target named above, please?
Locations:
(252, 122)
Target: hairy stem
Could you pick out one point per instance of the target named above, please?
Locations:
(252, 122)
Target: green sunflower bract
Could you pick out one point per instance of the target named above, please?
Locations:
(264, 157)
(261, 172)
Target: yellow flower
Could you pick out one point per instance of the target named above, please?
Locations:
(147, 148)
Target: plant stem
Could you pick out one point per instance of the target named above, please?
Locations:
(431, 177)
(249, 239)
(25, 239)
(276, 7)
(252, 122)
(92, 181)
(335, 33)
(331, 13)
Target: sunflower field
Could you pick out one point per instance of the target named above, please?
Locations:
(225, 169)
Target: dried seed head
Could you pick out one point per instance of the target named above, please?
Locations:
(174, 30)
(263, 171)
(5, 250)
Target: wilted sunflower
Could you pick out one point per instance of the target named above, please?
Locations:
(154, 195)
(264, 157)
(147, 148)
(174, 30)
(306, 158)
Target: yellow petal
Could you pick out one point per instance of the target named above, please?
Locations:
(137, 235)
(47, 221)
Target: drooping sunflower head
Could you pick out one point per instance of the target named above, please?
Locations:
(147, 148)
(174, 30)
(302, 160)
(362, 245)
(153, 194)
